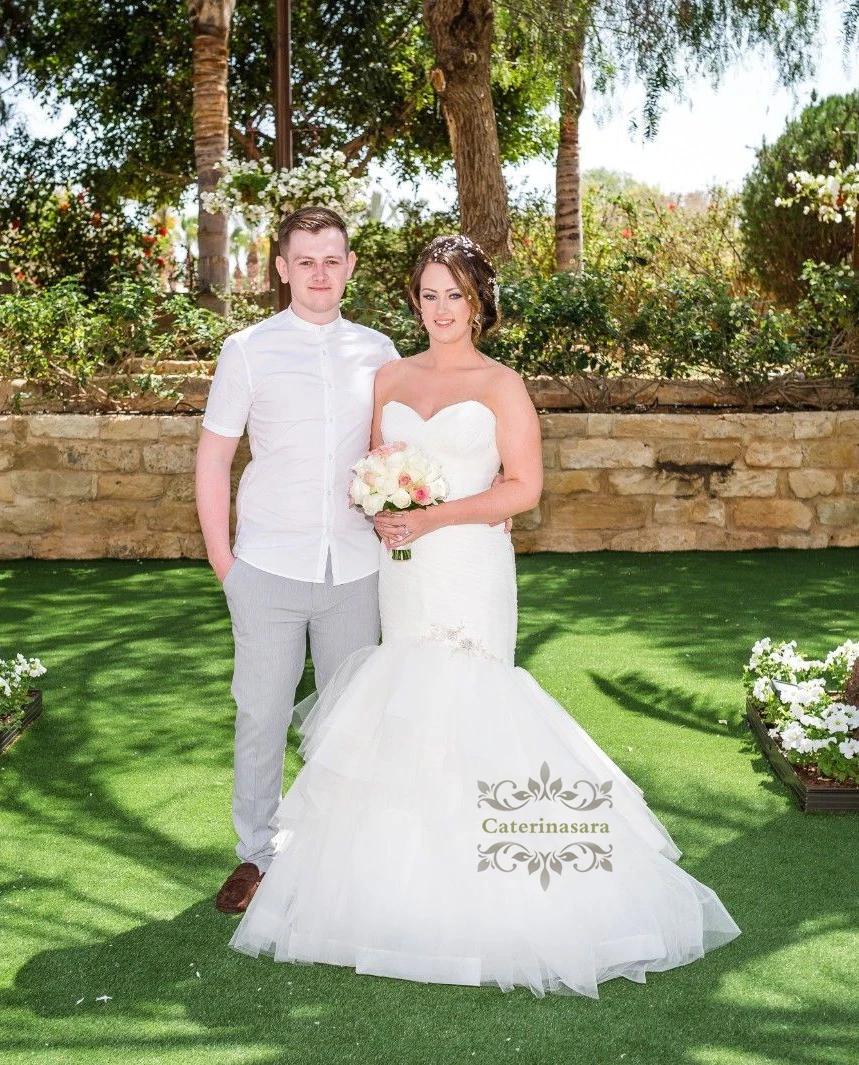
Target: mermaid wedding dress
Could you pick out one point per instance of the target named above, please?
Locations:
(452, 823)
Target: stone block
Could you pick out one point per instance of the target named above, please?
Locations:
(13, 427)
(180, 427)
(36, 457)
(847, 424)
(180, 487)
(803, 541)
(192, 546)
(554, 426)
(605, 454)
(54, 484)
(698, 453)
(772, 514)
(129, 427)
(664, 539)
(654, 482)
(835, 453)
(813, 424)
(529, 520)
(601, 424)
(7, 458)
(550, 454)
(169, 458)
(808, 483)
(839, 512)
(769, 453)
(844, 538)
(29, 516)
(64, 426)
(69, 545)
(131, 486)
(565, 482)
(570, 540)
(698, 511)
(658, 426)
(118, 456)
(102, 518)
(7, 490)
(744, 483)
(603, 513)
(133, 544)
(708, 538)
(850, 480)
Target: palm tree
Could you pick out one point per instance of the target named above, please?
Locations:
(210, 25)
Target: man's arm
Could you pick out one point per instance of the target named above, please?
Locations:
(215, 455)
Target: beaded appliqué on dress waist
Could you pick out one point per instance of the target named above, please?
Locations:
(458, 641)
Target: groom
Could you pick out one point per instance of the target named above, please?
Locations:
(304, 562)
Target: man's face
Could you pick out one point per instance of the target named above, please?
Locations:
(317, 269)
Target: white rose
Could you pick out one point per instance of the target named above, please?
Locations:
(401, 498)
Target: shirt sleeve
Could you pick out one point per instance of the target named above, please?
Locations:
(391, 352)
(229, 400)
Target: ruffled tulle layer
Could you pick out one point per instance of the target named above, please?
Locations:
(423, 839)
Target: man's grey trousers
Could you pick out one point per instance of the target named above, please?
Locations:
(271, 618)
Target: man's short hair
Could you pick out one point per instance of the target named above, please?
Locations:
(310, 220)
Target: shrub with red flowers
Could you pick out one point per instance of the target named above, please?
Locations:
(48, 234)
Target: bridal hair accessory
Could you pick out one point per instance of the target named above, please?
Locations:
(396, 476)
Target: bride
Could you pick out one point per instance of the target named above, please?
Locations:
(452, 822)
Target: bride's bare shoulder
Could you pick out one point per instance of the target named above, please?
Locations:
(505, 383)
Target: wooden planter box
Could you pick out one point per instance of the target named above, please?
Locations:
(812, 794)
(32, 709)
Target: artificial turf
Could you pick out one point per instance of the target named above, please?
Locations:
(115, 830)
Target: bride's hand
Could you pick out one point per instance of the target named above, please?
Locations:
(400, 528)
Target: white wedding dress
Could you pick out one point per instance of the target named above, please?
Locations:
(402, 852)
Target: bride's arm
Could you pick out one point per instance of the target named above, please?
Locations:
(520, 447)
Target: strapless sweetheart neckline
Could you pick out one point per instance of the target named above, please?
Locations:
(441, 410)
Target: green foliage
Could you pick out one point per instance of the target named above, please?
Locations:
(359, 76)
(60, 333)
(48, 233)
(778, 240)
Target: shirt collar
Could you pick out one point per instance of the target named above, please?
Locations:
(296, 322)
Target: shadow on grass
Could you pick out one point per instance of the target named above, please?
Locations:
(153, 968)
(140, 660)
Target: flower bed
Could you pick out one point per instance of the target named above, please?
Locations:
(805, 715)
(19, 703)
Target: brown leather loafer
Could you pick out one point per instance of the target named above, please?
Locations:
(239, 888)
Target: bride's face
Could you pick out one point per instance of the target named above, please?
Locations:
(445, 311)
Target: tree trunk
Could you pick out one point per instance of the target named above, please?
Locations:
(568, 175)
(461, 34)
(210, 24)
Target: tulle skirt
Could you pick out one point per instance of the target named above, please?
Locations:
(453, 824)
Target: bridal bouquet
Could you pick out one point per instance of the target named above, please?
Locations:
(396, 477)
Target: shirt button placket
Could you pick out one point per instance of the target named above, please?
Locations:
(329, 440)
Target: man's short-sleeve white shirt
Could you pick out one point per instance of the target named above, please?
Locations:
(305, 393)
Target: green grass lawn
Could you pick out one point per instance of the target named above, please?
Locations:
(115, 830)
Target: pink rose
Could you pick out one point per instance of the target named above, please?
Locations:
(421, 495)
(404, 480)
(383, 450)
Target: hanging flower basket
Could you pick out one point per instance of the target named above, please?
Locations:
(12, 725)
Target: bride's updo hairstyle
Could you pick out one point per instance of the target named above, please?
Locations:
(473, 273)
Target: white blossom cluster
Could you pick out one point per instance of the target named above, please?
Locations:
(832, 197)
(794, 694)
(15, 677)
(397, 474)
(263, 195)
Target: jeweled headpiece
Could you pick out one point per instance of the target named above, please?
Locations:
(461, 243)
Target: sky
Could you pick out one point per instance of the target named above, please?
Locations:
(708, 139)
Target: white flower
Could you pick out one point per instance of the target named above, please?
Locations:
(849, 747)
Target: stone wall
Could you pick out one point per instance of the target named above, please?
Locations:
(87, 486)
